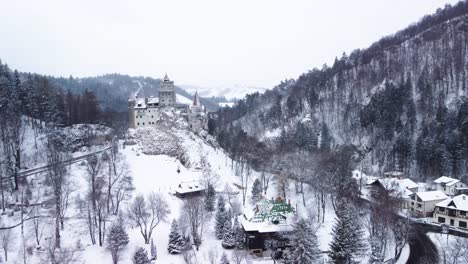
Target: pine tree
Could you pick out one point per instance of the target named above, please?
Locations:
(224, 259)
(210, 198)
(347, 244)
(141, 256)
(304, 244)
(239, 235)
(176, 242)
(228, 235)
(117, 240)
(220, 218)
(154, 252)
(326, 138)
(256, 190)
(376, 256)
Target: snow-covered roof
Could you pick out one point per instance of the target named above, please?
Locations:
(459, 202)
(446, 180)
(394, 173)
(183, 100)
(153, 100)
(399, 187)
(140, 103)
(189, 186)
(265, 227)
(407, 183)
(431, 196)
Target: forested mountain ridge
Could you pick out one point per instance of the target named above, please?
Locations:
(402, 101)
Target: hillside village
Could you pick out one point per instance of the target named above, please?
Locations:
(442, 201)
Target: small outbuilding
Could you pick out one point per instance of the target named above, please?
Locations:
(187, 189)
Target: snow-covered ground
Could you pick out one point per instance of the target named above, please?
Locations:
(451, 249)
(157, 173)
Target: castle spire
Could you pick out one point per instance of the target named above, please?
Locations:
(195, 99)
(166, 78)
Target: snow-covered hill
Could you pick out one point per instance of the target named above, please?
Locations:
(158, 158)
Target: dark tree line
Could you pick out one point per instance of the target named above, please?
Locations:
(36, 100)
(35, 96)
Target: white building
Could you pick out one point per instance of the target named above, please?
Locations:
(450, 186)
(453, 212)
(423, 203)
(147, 111)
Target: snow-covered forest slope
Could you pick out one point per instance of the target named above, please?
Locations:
(403, 101)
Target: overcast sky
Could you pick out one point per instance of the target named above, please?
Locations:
(198, 42)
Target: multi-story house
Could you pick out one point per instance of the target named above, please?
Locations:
(423, 203)
(450, 186)
(453, 212)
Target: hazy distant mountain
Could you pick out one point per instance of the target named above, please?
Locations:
(238, 91)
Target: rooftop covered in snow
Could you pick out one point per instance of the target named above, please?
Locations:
(186, 187)
(459, 202)
(446, 180)
(431, 196)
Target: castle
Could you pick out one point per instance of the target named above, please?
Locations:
(146, 111)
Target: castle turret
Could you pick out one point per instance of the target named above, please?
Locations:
(195, 99)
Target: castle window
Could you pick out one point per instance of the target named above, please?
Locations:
(143, 123)
(151, 116)
(138, 124)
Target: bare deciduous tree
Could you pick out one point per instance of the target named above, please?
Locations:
(238, 256)
(148, 214)
(195, 214)
(7, 241)
(57, 176)
(54, 255)
(120, 186)
(96, 204)
(209, 177)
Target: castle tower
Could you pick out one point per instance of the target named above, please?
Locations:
(167, 94)
(131, 112)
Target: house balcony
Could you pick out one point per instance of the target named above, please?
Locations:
(451, 213)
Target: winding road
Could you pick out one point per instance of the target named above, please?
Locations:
(28, 172)
(422, 249)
